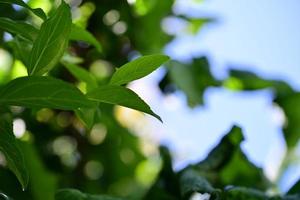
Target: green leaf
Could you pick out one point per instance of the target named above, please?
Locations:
(43, 182)
(142, 7)
(192, 79)
(80, 34)
(196, 24)
(166, 185)
(248, 81)
(290, 105)
(22, 48)
(295, 189)
(19, 28)
(241, 171)
(148, 34)
(287, 197)
(4, 196)
(87, 116)
(122, 96)
(191, 182)
(221, 155)
(42, 91)
(52, 41)
(37, 11)
(137, 69)
(72, 194)
(9, 147)
(248, 193)
(241, 193)
(82, 74)
(286, 98)
(226, 164)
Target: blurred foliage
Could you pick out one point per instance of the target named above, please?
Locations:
(91, 150)
(192, 79)
(225, 165)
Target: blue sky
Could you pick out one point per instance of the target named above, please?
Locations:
(261, 36)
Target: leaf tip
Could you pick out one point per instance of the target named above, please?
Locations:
(164, 58)
(167, 57)
(157, 117)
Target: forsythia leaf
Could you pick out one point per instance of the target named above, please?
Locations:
(80, 34)
(72, 194)
(51, 42)
(37, 11)
(18, 28)
(122, 96)
(11, 150)
(137, 69)
(43, 91)
(82, 74)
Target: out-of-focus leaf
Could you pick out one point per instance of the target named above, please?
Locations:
(37, 11)
(80, 34)
(74, 59)
(241, 193)
(226, 164)
(191, 182)
(192, 79)
(43, 92)
(4, 196)
(166, 85)
(72, 194)
(102, 197)
(43, 183)
(18, 28)
(197, 23)
(288, 197)
(142, 7)
(221, 155)
(114, 94)
(295, 189)
(82, 75)
(51, 42)
(87, 116)
(11, 150)
(245, 80)
(286, 98)
(240, 171)
(291, 107)
(137, 69)
(167, 184)
(21, 48)
(146, 30)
